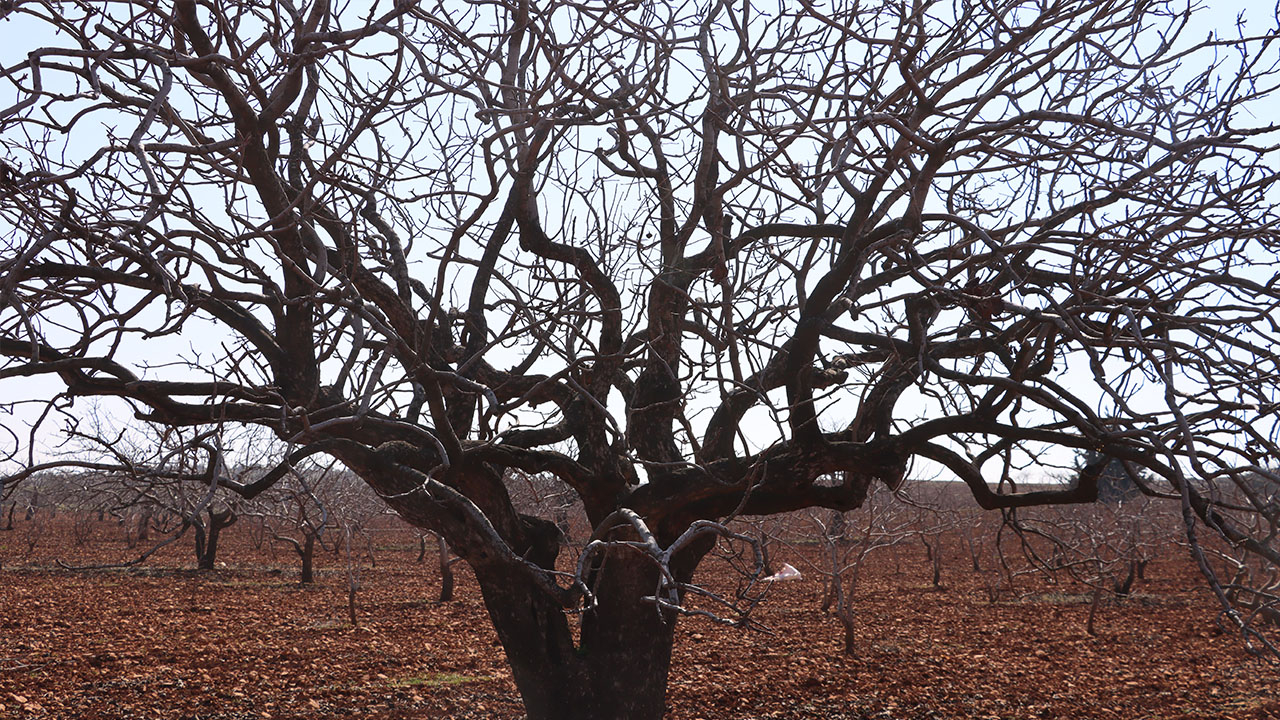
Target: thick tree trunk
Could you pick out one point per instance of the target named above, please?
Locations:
(209, 555)
(200, 541)
(618, 670)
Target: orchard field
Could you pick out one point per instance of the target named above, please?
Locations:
(245, 640)
(590, 287)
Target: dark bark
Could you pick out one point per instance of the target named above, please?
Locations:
(201, 540)
(618, 670)
(933, 554)
(207, 535)
(1089, 625)
(446, 570)
(1125, 586)
(308, 553)
(850, 631)
(763, 539)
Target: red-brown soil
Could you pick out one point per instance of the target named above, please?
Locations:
(246, 641)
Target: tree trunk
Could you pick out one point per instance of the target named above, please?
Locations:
(207, 538)
(308, 553)
(844, 606)
(850, 631)
(1122, 587)
(933, 554)
(209, 556)
(619, 669)
(973, 553)
(763, 539)
(144, 525)
(835, 577)
(446, 570)
(1093, 612)
(200, 541)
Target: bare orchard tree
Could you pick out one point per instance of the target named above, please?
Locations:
(170, 480)
(690, 259)
(1103, 549)
(847, 542)
(296, 512)
(445, 560)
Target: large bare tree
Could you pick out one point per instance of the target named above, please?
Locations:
(691, 259)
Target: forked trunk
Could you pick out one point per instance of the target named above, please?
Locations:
(207, 537)
(617, 671)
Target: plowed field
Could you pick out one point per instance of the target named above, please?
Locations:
(247, 641)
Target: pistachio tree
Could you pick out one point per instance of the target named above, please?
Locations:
(691, 259)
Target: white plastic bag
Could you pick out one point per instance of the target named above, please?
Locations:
(786, 573)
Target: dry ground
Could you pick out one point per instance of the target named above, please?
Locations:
(246, 641)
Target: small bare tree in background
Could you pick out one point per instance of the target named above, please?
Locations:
(849, 539)
(1103, 548)
(1254, 584)
(935, 516)
(296, 512)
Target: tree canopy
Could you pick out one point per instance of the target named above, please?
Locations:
(692, 260)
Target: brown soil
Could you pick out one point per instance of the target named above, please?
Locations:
(246, 641)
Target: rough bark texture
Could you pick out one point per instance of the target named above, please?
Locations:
(618, 669)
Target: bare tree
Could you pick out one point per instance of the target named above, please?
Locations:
(689, 259)
(933, 508)
(848, 542)
(1105, 547)
(296, 512)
